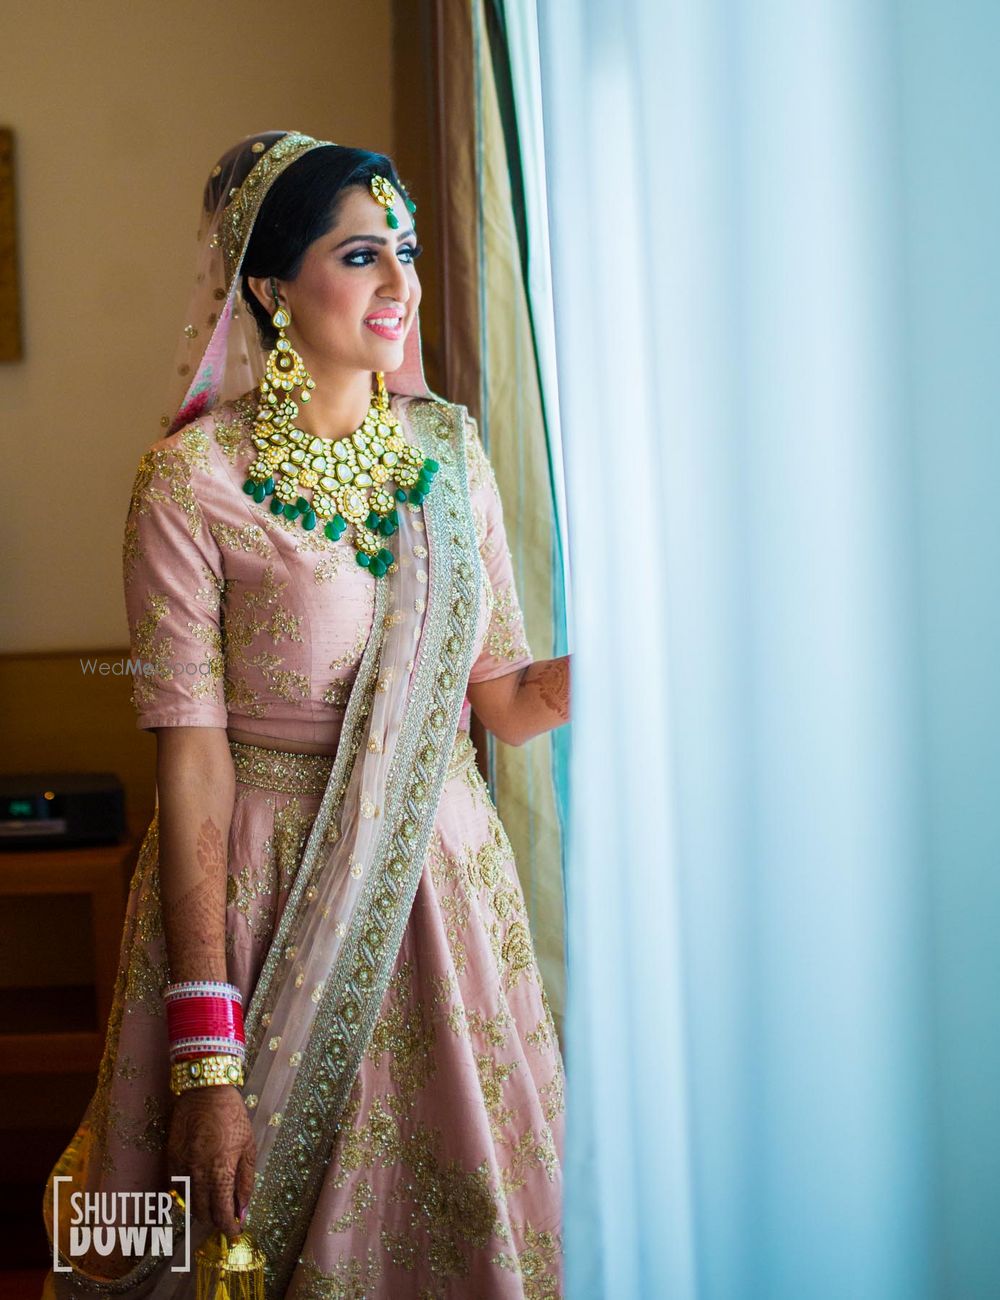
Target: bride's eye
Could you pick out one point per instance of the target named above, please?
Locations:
(407, 253)
(351, 258)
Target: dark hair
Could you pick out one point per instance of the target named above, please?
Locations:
(300, 207)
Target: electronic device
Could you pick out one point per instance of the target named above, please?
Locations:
(61, 809)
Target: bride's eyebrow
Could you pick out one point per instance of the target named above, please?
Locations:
(373, 239)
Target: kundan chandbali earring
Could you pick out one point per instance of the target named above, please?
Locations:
(358, 480)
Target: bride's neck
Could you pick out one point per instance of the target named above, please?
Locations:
(338, 404)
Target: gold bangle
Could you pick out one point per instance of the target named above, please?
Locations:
(205, 1072)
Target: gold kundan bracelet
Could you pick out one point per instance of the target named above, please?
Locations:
(205, 1072)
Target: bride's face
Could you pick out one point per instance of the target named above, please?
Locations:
(356, 295)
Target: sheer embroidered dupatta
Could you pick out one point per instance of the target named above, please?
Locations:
(319, 993)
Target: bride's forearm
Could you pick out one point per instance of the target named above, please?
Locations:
(541, 701)
(196, 787)
(525, 703)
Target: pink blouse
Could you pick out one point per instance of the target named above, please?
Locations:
(240, 618)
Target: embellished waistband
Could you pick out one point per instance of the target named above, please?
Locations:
(280, 769)
(292, 773)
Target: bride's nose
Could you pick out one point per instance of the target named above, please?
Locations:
(394, 283)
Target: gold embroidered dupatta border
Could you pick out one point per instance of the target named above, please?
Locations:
(288, 1187)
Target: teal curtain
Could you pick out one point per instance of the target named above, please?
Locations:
(519, 425)
(776, 273)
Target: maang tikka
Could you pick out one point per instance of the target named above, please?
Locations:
(350, 479)
(384, 192)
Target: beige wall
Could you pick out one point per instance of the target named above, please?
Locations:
(119, 111)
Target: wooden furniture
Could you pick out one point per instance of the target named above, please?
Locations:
(58, 1025)
(61, 916)
(59, 716)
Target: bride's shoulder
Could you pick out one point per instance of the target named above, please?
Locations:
(231, 426)
(191, 449)
(448, 419)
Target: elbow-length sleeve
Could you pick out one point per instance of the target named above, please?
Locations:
(505, 648)
(173, 579)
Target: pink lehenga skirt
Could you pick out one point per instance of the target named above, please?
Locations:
(445, 1180)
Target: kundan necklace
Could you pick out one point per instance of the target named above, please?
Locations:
(357, 480)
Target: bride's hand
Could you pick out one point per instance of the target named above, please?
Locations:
(212, 1141)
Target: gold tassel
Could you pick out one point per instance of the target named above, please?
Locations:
(229, 1270)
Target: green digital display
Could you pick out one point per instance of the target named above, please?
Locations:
(20, 808)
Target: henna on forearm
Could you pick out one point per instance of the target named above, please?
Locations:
(524, 703)
(196, 789)
(194, 910)
(544, 688)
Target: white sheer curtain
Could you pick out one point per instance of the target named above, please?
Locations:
(759, 885)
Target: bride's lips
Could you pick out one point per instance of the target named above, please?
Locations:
(388, 324)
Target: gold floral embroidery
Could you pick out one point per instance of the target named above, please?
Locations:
(530, 1149)
(328, 566)
(480, 470)
(537, 1262)
(209, 596)
(149, 1134)
(244, 890)
(232, 435)
(171, 466)
(284, 847)
(150, 648)
(204, 685)
(362, 1200)
(146, 981)
(543, 1036)
(489, 870)
(251, 538)
(455, 1208)
(458, 1021)
(402, 1250)
(505, 637)
(492, 855)
(148, 913)
(407, 1039)
(284, 682)
(353, 656)
(455, 907)
(492, 1076)
(265, 600)
(260, 612)
(351, 1279)
(554, 1095)
(132, 551)
(129, 1070)
(478, 788)
(495, 1029)
(517, 951)
(445, 988)
(338, 692)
